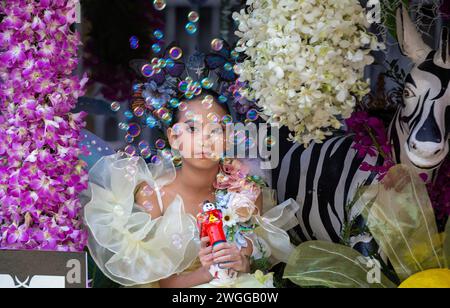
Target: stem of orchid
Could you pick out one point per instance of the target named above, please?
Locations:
(375, 142)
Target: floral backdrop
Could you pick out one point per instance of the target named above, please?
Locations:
(41, 175)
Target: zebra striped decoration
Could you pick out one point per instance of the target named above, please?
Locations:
(323, 178)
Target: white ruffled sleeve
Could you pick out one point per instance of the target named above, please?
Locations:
(270, 239)
(128, 245)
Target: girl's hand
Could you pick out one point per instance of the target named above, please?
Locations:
(229, 256)
(200, 276)
(205, 254)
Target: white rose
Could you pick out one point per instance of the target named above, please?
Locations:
(242, 206)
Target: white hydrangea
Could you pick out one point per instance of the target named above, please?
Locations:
(306, 61)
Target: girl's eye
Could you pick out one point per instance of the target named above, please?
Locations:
(193, 129)
(408, 93)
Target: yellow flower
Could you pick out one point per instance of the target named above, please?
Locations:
(435, 278)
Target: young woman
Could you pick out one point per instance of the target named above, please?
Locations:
(142, 218)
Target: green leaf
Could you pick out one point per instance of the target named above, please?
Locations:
(318, 263)
(262, 264)
(388, 9)
(401, 219)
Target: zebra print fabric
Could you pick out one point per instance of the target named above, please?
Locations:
(323, 179)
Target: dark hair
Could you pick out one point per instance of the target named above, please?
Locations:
(205, 93)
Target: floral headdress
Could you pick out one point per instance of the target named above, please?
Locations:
(167, 83)
(170, 82)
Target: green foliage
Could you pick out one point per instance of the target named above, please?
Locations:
(388, 14)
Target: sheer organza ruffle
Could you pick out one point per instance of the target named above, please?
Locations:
(133, 249)
(126, 243)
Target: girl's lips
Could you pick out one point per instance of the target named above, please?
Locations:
(203, 155)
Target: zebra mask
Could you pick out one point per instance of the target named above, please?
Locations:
(420, 130)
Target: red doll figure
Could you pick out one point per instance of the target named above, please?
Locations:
(210, 224)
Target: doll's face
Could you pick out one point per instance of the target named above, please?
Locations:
(199, 133)
(208, 207)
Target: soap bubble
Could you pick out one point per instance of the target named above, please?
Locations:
(158, 34)
(191, 28)
(115, 106)
(134, 130)
(134, 42)
(156, 48)
(130, 150)
(270, 141)
(159, 5)
(252, 115)
(217, 44)
(156, 160)
(160, 144)
(193, 16)
(207, 83)
(147, 70)
(175, 53)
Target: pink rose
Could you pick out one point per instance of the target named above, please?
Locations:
(232, 175)
(235, 168)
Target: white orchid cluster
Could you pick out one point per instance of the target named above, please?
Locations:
(306, 61)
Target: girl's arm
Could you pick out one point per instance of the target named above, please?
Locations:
(200, 276)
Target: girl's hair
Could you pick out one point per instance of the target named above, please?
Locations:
(205, 93)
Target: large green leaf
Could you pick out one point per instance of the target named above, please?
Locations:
(318, 263)
(400, 217)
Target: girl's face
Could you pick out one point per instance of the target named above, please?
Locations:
(199, 134)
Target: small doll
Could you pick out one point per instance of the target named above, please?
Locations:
(210, 224)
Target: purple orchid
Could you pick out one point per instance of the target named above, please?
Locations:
(370, 138)
(41, 175)
(17, 234)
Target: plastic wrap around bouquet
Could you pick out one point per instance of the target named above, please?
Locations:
(401, 219)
